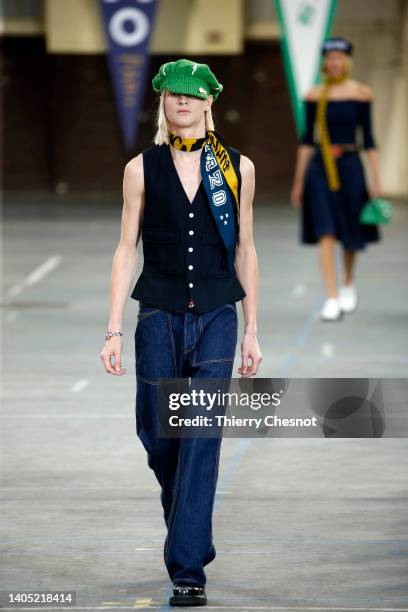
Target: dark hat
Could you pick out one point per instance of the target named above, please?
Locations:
(187, 77)
(336, 43)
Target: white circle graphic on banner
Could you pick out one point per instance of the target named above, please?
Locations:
(140, 25)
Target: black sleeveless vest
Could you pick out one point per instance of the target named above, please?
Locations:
(184, 256)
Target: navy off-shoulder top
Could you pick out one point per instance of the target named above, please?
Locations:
(343, 118)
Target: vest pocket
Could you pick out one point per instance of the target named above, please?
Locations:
(161, 250)
(211, 238)
(160, 236)
(214, 254)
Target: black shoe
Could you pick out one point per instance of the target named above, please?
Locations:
(188, 595)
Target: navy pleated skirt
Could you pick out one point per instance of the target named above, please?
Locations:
(336, 212)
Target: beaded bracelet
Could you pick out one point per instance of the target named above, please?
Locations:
(110, 333)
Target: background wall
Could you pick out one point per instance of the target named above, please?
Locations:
(61, 130)
(380, 33)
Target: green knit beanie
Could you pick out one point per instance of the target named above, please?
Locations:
(187, 77)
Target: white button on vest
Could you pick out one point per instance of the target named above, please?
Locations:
(191, 232)
(190, 267)
(191, 215)
(190, 285)
(190, 249)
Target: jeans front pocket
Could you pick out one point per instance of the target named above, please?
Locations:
(146, 311)
(154, 345)
(219, 337)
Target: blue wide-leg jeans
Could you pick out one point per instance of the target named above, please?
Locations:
(183, 345)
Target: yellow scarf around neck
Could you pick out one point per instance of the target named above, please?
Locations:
(330, 165)
(220, 151)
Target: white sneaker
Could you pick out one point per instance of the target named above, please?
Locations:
(348, 298)
(331, 310)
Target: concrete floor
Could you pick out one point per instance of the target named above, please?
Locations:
(299, 524)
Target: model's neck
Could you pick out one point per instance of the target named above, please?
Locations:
(188, 132)
(337, 79)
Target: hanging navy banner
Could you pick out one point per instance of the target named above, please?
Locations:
(128, 25)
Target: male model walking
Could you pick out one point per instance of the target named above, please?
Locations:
(190, 196)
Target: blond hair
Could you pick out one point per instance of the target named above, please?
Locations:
(162, 134)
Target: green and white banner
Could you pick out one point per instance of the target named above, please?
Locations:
(304, 24)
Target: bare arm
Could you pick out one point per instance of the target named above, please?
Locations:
(365, 93)
(304, 153)
(375, 184)
(305, 148)
(125, 259)
(246, 265)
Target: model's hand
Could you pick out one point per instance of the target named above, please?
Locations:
(113, 348)
(296, 196)
(250, 350)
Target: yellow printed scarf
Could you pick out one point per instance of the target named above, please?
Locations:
(220, 151)
(329, 162)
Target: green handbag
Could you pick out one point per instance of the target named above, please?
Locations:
(376, 211)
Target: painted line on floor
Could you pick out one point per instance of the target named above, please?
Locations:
(327, 350)
(80, 385)
(35, 276)
(299, 290)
